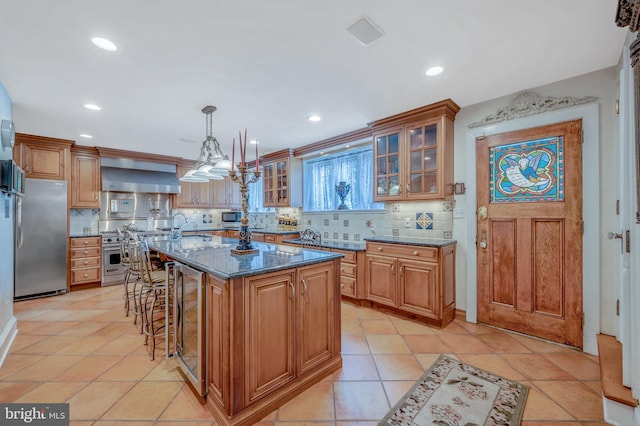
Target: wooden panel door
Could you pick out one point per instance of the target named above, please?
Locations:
(85, 180)
(418, 285)
(529, 231)
(315, 331)
(381, 280)
(269, 328)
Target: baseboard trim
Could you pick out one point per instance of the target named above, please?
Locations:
(6, 338)
(461, 315)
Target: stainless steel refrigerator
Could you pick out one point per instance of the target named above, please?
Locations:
(41, 239)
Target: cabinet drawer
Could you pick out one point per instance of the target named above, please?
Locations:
(86, 242)
(85, 275)
(414, 252)
(269, 238)
(349, 256)
(348, 269)
(86, 262)
(233, 234)
(85, 252)
(348, 286)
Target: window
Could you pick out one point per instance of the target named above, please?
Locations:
(255, 197)
(322, 174)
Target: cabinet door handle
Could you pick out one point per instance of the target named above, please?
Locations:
(402, 270)
(393, 268)
(27, 168)
(304, 290)
(293, 290)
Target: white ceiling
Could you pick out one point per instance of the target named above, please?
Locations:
(268, 65)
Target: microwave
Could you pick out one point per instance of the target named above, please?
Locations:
(231, 217)
(12, 177)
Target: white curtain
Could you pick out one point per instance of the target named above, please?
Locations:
(255, 197)
(322, 174)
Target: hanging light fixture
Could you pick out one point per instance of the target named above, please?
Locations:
(211, 164)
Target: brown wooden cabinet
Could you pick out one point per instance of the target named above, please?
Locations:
(226, 194)
(85, 260)
(193, 194)
(85, 178)
(413, 154)
(270, 336)
(282, 181)
(416, 280)
(43, 158)
(352, 273)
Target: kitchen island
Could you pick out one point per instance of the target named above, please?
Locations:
(272, 322)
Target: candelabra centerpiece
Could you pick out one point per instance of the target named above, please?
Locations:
(244, 177)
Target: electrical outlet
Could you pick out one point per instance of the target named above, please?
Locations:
(407, 222)
(458, 213)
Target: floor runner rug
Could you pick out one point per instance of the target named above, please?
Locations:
(453, 393)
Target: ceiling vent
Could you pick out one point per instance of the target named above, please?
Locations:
(365, 30)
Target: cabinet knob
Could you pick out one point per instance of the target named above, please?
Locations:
(342, 285)
(86, 262)
(415, 252)
(86, 275)
(86, 252)
(379, 248)
(86, 243)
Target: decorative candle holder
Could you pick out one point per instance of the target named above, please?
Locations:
(342, 189)
(244, 178)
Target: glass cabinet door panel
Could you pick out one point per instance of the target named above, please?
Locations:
(416, 161)
(431, 182)
(430, 159)
(393, 164)
(415, 138)
(394, 144)
(415, 183)
(381, 187)
(381, 145)
(431, 135)
(394, 185)
(382, 166)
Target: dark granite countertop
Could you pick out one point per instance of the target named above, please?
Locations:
(82, 235)
(213, 255)
(413, 241)
(258, 230)
(334, 245)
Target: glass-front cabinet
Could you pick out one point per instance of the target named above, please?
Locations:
(277, 176)
(414, 154)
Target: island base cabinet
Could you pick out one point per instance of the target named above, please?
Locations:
(270, 337)
(417, 282)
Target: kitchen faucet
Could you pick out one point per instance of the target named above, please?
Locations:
(177, 233)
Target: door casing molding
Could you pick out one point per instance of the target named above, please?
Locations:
(589, 114)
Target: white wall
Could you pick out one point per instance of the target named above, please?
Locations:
(603, 85)
(7, 320)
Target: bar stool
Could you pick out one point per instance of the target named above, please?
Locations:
(133, 290)
(125, 261)
(153, 299)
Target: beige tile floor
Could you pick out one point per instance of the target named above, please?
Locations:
(81, 349)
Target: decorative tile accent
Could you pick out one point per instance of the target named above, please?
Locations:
(207, 218)
(368, 223)
(447, 235)
(447, 207)
(345, 236)
(395, 207)
(326, 222)
(336, 216)
(335, 236)
(356, 237)
(395, 232)
(424, 220)
(95, 212)
(346, 222)
(325, 235)
(308, 221)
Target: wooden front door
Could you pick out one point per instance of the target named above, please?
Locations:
(529, 231)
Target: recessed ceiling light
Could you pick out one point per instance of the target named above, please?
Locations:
(92, 107)
(314, 118)
(434, 71)
(86, 136)
(253, 141)
(104, 44)
(347, 146)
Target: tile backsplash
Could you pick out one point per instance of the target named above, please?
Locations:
(79, 219)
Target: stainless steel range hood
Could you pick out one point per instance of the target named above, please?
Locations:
(124, 175)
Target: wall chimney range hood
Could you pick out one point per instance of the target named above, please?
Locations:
(125, 175)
